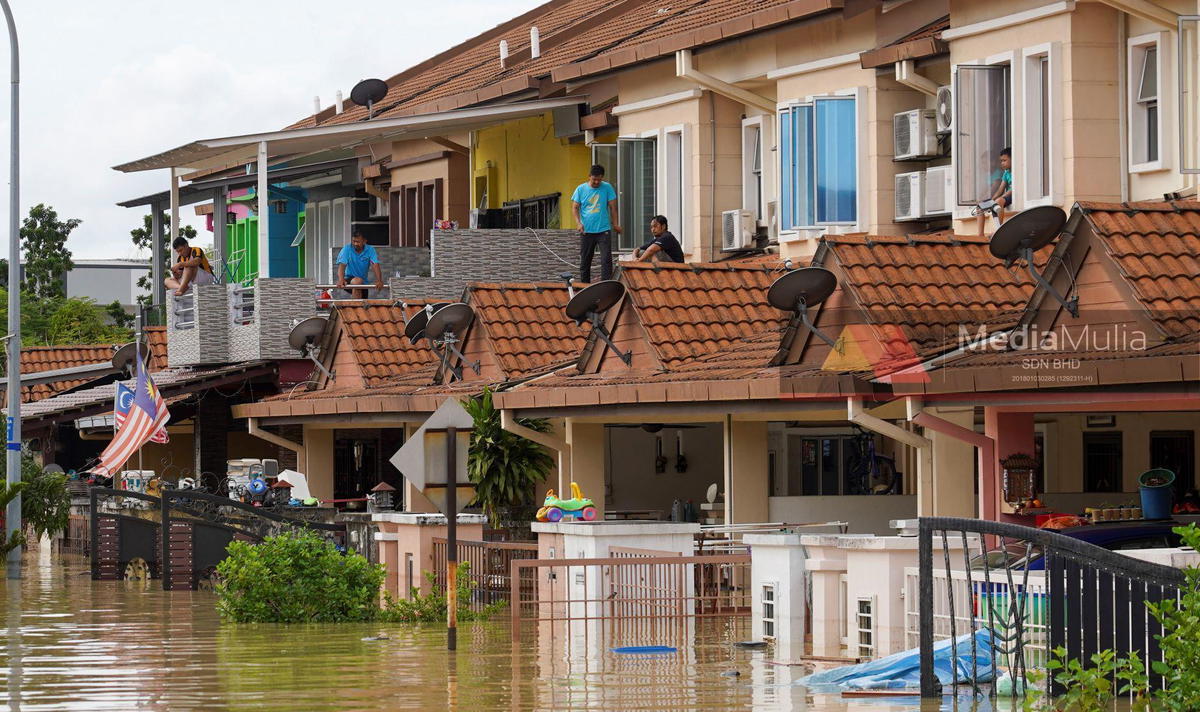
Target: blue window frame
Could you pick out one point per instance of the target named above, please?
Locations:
(819, 168)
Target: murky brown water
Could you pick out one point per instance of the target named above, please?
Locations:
(76, 644)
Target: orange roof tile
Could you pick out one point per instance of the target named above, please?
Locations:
(36, 359)
(376, 333)
(696, 309)
(526, 324)
(1156, 248)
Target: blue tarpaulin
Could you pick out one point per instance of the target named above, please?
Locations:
(903, 670)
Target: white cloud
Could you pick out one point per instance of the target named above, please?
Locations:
(104, 83)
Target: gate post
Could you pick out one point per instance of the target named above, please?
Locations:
(164, 563)
(929, 682)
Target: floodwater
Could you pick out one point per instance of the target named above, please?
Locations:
(71, 643)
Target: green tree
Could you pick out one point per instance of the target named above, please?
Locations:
(141, 239)
(504, 466)
(47, 259)
(51, 322)
(120, 317)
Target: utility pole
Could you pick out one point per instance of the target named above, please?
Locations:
(13, 434)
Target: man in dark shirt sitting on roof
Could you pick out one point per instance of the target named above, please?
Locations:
(662, 243)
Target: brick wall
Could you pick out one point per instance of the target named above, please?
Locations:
(208, 340)
(505, 255)
(426, 287)
(396, 261)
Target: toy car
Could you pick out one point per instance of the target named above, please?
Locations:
(578, 507)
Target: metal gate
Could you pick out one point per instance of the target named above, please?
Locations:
(1033, 591)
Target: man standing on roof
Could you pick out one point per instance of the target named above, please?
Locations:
(595, 206)
(355, 261)
(662, 243)
(191, 267)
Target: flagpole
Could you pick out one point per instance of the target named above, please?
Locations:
(137, 347)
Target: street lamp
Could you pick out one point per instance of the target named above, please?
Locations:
(13, 435)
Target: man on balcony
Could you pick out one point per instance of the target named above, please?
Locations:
(595, 206)
(354, 262)
(191, 267)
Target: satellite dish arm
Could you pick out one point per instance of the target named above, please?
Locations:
(602, 333)
(1071, 305)
(310, 351)
(802, 311)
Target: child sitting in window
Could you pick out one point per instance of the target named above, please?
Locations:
(1002, 193)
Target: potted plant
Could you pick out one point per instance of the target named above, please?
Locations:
(505, 467)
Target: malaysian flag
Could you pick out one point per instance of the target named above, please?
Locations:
(147, 414)
(121, 411)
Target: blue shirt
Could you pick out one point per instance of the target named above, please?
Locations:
(593, 206)
(358, 264)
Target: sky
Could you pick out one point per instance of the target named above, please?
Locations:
(107, 82)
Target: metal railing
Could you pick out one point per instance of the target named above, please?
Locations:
(1031, 591)
(490, 567)
(241, 304)
(628, 587)
(184, 309)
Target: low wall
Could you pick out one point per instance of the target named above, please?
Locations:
(867, 514)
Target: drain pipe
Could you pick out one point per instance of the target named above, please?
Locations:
(855, 414)
(985, 447)
(560, 446)
(301, 456)
(906, 74)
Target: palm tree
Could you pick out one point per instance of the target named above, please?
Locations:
(505, 467)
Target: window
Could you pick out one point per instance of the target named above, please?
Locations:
(1145, 142)
(672, 188)
(1102, 470)
(420, 204)
(752, 163)
(1038, 156)
(636, 178)
(864, 620)
(837, 465)
(981, 129)
(768, 610)
(818, 162)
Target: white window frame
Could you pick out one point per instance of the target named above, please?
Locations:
(657, 135)
(1135, 120)
(1030, 154)
(756, 204)
(673, 199)
(862, 176)
(1016, 107)
(773, 620)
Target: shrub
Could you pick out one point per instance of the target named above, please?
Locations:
(296, 577)
(432, 608)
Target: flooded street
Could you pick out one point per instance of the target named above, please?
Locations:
(71, 643)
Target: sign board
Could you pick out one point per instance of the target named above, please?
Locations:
(422, 459)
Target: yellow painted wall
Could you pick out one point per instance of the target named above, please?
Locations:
(525, 160)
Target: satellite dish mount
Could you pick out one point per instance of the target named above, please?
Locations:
(304, 336)
(591, 303)
(451, 323)
(803, 288)
(1024, 234)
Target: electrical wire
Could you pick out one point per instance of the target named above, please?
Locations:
(547, 248)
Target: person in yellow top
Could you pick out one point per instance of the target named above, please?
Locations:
(191, 267)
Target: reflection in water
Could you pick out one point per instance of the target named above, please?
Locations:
(73, 643)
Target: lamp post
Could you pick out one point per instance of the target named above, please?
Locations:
(13, 435)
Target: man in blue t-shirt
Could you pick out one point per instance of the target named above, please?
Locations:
(595, 206)
(354, 262)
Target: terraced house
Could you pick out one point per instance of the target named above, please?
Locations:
(857, 137)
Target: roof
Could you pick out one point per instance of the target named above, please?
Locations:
(37, 359)
(1156, 248)
(376, 333)
(923, 42)
(690, 310)
(527, 325)
(928, 285)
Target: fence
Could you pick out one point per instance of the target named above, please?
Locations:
(1032, 590)
(633, 585)
(490, 567)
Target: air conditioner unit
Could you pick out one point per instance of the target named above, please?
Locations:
(737, 229)
(945, 109)
(915, 134)
(939, 190)
(379, 207)
(909, 189)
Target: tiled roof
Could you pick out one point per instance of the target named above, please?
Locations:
(528, 329)
(1156, 247)
(36, 359)
(376, 332)
(692, 310)
(925, 41)
(927, 285)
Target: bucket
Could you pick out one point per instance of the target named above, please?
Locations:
(1157, 493)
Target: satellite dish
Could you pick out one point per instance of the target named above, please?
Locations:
(367, 92)
(590, 303)
(797, 291)
(445, 329)
(415, 328)
(123, 357)
(304, 337)
(1024, 234)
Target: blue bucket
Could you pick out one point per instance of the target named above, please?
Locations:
(1157, 493)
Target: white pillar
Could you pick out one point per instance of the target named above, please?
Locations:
(264, 214)
(727, 435)
(174, 204)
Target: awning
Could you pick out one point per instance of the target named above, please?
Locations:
(213, 152)
(203, 190)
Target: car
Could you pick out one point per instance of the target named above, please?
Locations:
(1114, 536)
